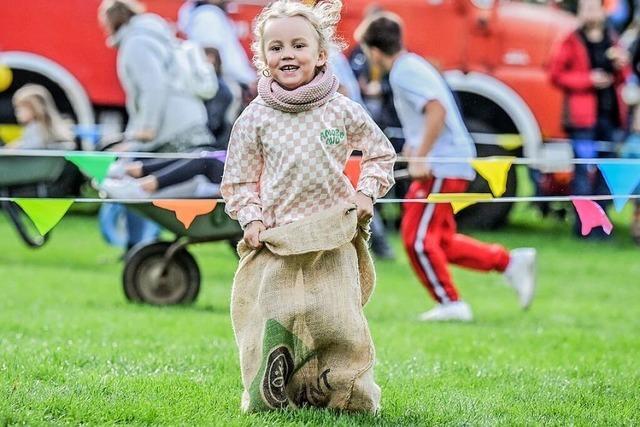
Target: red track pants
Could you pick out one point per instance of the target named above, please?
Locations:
(431, 241)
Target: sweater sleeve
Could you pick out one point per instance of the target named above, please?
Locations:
(241, 180)
(378, 155)
(562, 70)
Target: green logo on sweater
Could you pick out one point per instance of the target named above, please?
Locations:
(332, 136)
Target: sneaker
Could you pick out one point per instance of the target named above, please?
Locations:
(124, 189)
(454, 311)
(117, 170)
(521, 274)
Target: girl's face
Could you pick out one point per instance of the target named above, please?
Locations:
(292, 51)
(24, 113)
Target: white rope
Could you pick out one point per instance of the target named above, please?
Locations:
(492, 200)
(399, 159)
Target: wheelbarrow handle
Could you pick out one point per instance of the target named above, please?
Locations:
(18, 219)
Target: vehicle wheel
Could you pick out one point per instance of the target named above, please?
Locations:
(143, 280)
(488, 216)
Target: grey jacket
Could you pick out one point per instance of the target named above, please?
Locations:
(145, 54)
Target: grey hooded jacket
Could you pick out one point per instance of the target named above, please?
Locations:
(145, 53)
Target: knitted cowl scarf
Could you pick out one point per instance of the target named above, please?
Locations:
(307, 97)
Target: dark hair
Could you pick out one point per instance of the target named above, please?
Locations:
(383, 32)
(119, 12)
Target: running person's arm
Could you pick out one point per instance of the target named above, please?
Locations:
(434, 121)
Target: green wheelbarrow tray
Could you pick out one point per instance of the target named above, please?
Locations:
(36, 173)
(25, 170)
(211, 227)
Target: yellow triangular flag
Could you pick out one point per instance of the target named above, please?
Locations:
(510, 141)
(495, 170)
(45, 213)
(459, 201)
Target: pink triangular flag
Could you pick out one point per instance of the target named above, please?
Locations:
(187, 209)
(591, 215)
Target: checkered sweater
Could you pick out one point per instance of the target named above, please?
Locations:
(282, 167)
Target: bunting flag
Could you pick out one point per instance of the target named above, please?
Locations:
(94, 166)
(45, 213)
(187, 210)
(622, 179)
(495, 170)
(352, 170)
(458, 201)
(591, 216)
(510, 141)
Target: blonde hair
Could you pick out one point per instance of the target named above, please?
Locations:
(39, 100)
(323, 17)
(119, 12)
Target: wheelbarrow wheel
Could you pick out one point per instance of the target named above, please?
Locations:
(143, 279)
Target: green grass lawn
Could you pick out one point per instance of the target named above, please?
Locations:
(73, 351)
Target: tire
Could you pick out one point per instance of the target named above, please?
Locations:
(142, 282)
(488, 216)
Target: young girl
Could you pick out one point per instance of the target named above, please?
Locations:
(43, 126)
(283, 177)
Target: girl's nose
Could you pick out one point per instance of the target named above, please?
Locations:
(288, 53)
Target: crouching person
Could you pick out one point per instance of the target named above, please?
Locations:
(305, 272)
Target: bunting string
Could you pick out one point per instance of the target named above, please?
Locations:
(440, 199)
(9, 152)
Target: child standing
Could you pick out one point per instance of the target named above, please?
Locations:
(433, 128)
(283, 179)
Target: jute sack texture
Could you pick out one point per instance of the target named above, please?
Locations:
(297, 313)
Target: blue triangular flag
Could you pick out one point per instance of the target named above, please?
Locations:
(622, 179)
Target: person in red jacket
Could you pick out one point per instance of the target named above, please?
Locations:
(590, 69)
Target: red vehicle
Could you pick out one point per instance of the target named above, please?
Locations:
(493, 54)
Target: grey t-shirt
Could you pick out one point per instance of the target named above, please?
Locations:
(415, 82)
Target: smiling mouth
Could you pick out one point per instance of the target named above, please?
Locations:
(289, 68)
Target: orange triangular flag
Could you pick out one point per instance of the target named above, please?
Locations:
(187, 210)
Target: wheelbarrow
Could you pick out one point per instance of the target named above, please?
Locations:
(28, 176)
(164, 272)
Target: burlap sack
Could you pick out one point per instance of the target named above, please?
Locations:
(297, 315)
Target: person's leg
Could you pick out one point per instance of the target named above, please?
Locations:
(379, 242)
(213, 169)
(180, 171)
(464, 250)
(583, 144)
(605, 131)
(149, 166)
(421, 235)
(140, 230)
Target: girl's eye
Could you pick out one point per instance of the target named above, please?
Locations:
(274, 48)
(299, 46)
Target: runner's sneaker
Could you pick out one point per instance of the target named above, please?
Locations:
(521, 274)
(453, 311)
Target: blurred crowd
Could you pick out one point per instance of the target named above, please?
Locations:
(186, 84)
